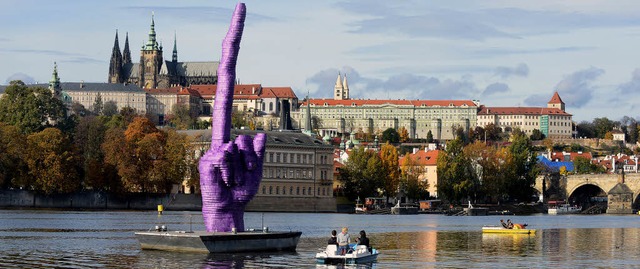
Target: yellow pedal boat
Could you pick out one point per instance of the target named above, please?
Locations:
(501, 230)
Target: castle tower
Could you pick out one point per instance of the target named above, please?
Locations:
(54, 83)
(126, 54)
(150, 60)
(556, 102)
(115, 65)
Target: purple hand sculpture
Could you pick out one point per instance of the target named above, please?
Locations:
(230, 171)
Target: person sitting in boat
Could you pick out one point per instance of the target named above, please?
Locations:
(509, 224)
(343, 241)
(512, 225)
(504, 224)
(363, 240)
(333, 240)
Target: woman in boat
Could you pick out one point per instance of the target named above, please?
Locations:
(343, 241)
(504, 224)
(363, 240)
(333, 240)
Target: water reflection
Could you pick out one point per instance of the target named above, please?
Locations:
(59, 239)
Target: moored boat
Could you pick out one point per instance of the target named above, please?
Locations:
(357, 254)
(564, 209)
(502, 230)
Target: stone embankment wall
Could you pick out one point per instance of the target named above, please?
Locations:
(176, 202)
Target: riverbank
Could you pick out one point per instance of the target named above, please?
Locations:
(96, 200)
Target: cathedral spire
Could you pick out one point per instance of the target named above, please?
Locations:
(174, 58)
(115, 65)
(126, 53)
(152, 44)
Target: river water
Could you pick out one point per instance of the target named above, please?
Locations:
(104, 239)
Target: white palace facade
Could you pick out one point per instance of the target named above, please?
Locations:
(344, 115)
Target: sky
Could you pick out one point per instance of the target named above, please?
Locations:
(502, 53)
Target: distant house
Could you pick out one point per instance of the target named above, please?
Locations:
(618, 135)
(428, 159)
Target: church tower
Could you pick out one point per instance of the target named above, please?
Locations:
(126, 54)
(150, 60)
(115, 65)
(556, 102)
(54, 83)
(341, 89)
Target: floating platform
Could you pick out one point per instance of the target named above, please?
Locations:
(219, 242)
(501, 230)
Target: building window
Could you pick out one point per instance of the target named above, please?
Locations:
(304, 191)
(290, 190)
(298, 191)
(270, 189)
(264, 190)
(309, 190)
(277, 189)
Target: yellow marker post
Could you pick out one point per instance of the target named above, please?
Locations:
(160, 209)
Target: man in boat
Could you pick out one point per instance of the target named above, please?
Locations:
(343, 241)
(333, 240)
(504, 224)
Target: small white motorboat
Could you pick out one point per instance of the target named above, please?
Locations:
(564, 209)
(357, 254)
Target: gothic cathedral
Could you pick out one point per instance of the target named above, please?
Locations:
(152, 72)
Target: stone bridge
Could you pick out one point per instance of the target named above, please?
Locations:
(605, 182)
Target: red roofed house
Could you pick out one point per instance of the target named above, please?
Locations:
(428, 159)
(344, 115)
(552, 120)
(251, 97)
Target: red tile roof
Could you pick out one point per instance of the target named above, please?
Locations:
(522, 111)
(209, 91)
(279, 92)
(559, 156)
(360, 102)
(424, 158)
(555, 99)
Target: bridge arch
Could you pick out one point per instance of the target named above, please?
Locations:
(587, 195)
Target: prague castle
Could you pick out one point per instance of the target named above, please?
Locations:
(154, 72)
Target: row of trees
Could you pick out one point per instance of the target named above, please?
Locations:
(368, 173)
(481, 172)
(43, 149)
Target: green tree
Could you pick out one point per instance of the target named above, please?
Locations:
(488, 163)
(316, 123)
(98, 105)
(602, 126)
(389, 158)
(110, 108)
(521, 168)
(390, 135)
(180, 117)
(51, 162)
(455, 173)
(493, 132)
(586, 129)
(31, 109)
(238, 119)
(537, 135)
(362, 174)
(429, 137)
